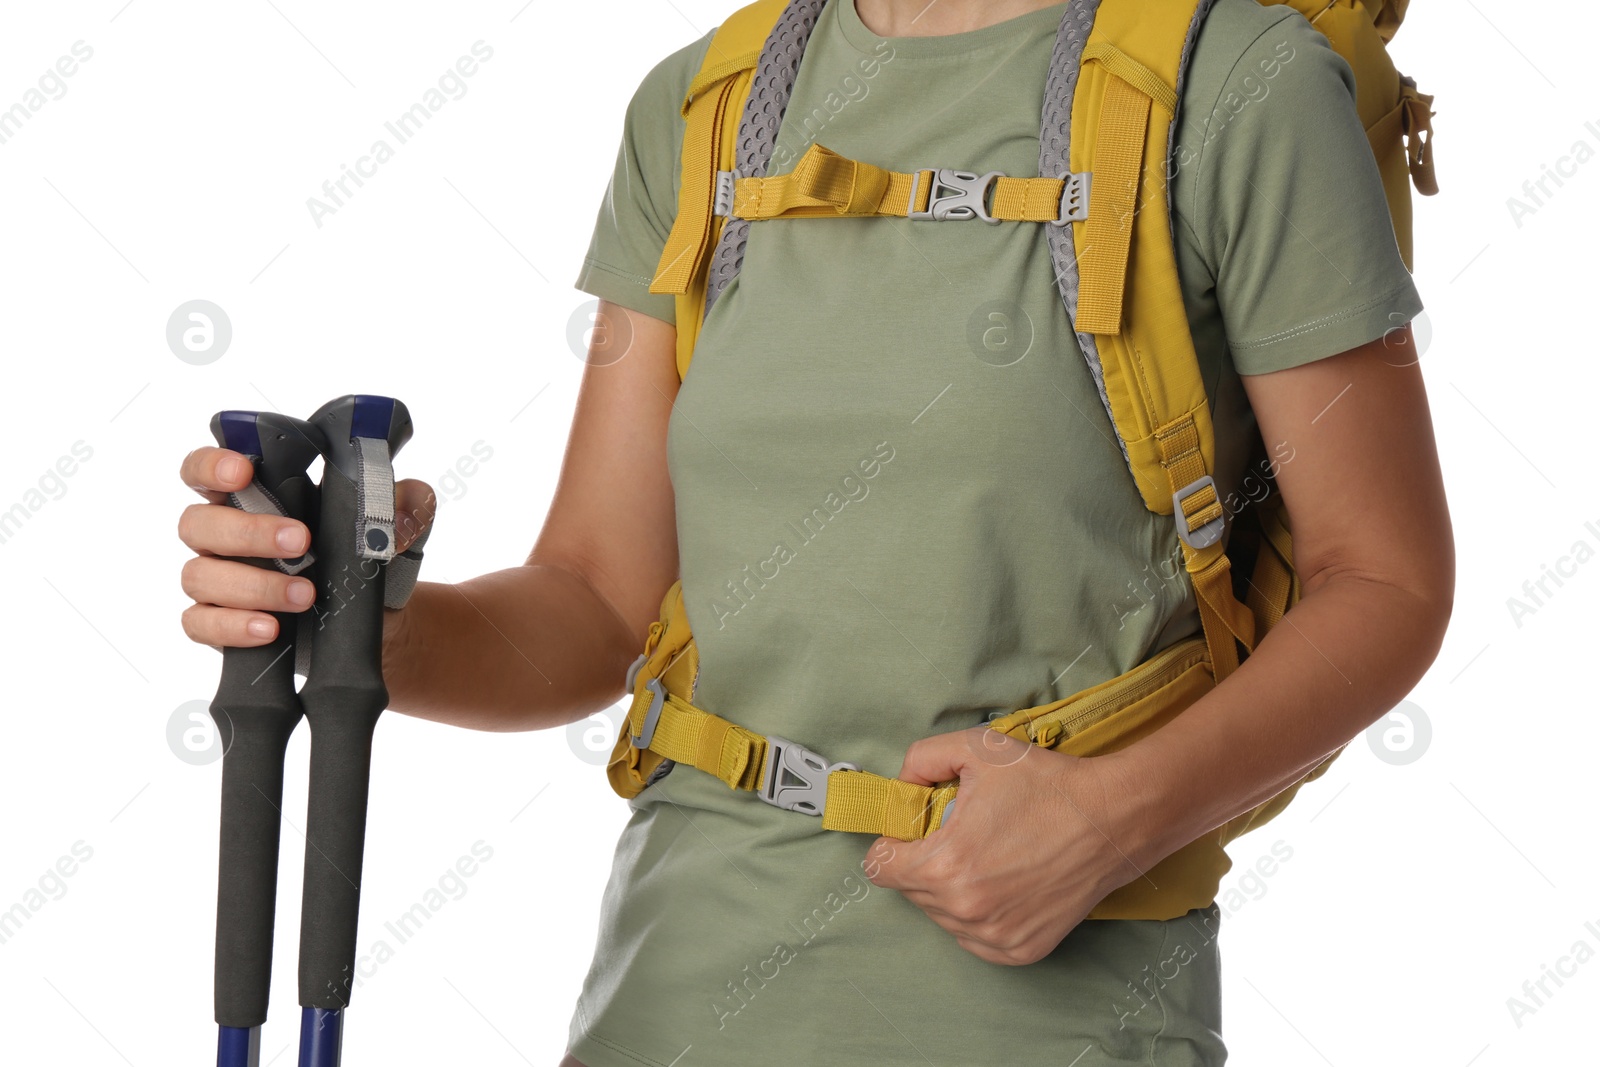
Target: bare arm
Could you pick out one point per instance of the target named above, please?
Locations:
(1373, 546)
(549, 641)
(535, 645)
(1374, 549)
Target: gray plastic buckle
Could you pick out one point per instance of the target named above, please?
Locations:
(1074, 199)
(955, 194)
(647, 732)
(1211, 532)
(797, 778)
(723, 203)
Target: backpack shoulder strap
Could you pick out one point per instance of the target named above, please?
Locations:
(1119, 278)
(711, 110)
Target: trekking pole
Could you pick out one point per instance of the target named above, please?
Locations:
(343, 696)
(255, 711)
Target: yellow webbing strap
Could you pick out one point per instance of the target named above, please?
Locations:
(686, 734)
(689, 243)
(824, 184)
(1133, 72)
(857, 801)
(1113, 205)
(861, 802)
(714, 69)
(1223, 617)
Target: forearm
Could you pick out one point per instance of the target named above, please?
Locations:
(519, 649)
(1349, 651)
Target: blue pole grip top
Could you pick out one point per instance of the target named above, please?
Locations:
(238, 432)
(372, 416)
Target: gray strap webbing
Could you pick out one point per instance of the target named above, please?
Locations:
(375, 539)
(374, 500)
(1055, 154)
(400, 579)
(255, 499)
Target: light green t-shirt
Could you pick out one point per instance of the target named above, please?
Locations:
(897, 513)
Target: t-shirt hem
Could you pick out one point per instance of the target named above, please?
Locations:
(594, 1051)
(1329, 335)
(629, 290)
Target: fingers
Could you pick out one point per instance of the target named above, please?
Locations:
(214, 472)
(219, 530)
(229, 584)
(898, 864)
(939, 758)
(414, 505)
(232, 601)
(207, 624)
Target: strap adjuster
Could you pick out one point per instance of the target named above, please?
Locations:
(1074, 199)
(1211, 532)
(652, 715)
(954, 194)
(797, 778)
(722, 202)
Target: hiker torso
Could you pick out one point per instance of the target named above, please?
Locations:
(901, 507)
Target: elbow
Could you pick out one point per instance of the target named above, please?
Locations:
(1415, 602)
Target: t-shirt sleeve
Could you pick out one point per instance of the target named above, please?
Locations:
(641, 199)
(1288, 209)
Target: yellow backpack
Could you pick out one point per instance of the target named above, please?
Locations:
(1105, 152)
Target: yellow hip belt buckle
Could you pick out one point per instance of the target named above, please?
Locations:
(796, 778)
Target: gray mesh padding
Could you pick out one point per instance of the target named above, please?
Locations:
(1201, 9)
(1055, 153)
(758, 128)
(1055, 143)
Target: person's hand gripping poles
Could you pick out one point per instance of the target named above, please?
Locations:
(343, 696)
(255, 710)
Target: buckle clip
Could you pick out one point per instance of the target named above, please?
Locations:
(1211, 532)
(722, 202)
(955, 194)
(797, 778)
(652, 715)
(1074, 198)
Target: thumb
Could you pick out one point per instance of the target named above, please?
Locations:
(414, 505)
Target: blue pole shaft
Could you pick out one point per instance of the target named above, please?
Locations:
(238, 1046)
(321, 1037)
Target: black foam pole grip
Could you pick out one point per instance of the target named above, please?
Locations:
(247, 863)
(343, 697)
(255, 710)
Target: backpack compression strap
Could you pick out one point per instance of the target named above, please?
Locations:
(781, 772)
(664, 728)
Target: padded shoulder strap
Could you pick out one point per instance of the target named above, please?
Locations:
(1129, 302)
(1123, 290)
(710, 108)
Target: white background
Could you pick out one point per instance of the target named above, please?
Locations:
(177, 167)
